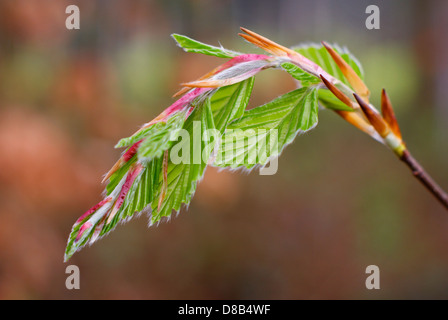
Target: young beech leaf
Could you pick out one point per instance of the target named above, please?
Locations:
(115, 179)
(303, 77)
(134, 187)
(263, 132)
(191, 45)
(140, 195)
(328, 100)
(187, 161)
(228, 103)
(190, 155)
(163, 163)
(152, 142)
(319, 55)
(173, 122)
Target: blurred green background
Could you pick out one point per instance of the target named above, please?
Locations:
(338, 203)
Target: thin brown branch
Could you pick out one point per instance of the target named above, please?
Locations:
(425, 178)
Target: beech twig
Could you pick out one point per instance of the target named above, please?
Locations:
(425, 178)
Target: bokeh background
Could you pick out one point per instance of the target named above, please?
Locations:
(338, 203)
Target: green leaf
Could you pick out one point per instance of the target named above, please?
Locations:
(305, 78)
(129, 141)
(264, 131)
(187, 167)
(228, 103)
(157, 139)
(191, 45)
(160, 128)
(319, 55)
(73, 246)
(160, 138)
(199, 135)
(328, 100)
(143, 188)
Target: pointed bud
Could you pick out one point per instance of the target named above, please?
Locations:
(389, 115)
(359, 122)
(338, 93)
(265, 44)
(348, 72)
(374, 117)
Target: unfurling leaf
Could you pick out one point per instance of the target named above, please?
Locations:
(159, 129)
(303, 77)
(264, 131)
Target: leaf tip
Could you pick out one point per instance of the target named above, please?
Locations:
(265, 44)
(325, 44)
(388, 114)
(176, 37)
(348, 72)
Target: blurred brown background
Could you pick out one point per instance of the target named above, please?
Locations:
(339, 202)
